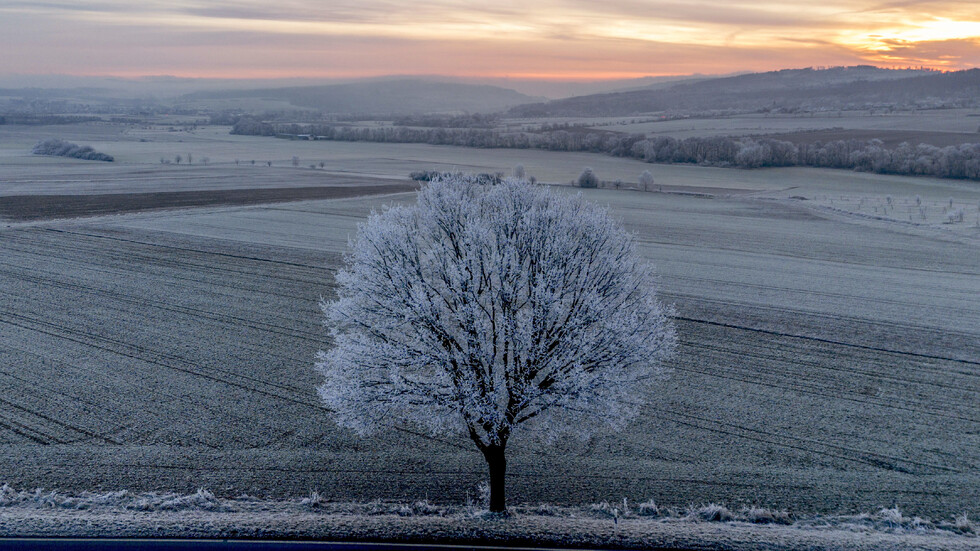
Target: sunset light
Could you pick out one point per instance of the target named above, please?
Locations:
(557, 39)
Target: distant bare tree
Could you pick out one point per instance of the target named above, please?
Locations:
(178, 158)
(519, 172)
(295, 160)
(268, 163)
(190, 159)
(205, 160)
(322, 164)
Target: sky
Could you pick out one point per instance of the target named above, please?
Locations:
(519, 39)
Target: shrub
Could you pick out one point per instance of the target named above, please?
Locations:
(711, 512)
(963, 525)
(761, 515)
(588, 179)
(314, 501)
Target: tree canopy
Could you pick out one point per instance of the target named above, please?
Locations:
(483, 308)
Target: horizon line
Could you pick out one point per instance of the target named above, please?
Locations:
(575, 78)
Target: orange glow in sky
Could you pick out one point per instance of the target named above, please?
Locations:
(545, 39)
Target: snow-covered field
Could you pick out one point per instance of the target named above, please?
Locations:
(829, 362)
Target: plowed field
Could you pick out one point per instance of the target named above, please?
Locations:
(823, 365)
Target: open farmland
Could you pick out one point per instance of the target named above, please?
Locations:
(828, 360)
(956, 121)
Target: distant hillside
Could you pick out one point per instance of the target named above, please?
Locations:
(783, 91)
(394, 97)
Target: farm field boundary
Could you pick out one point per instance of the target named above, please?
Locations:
(41, 207)
(312, 523)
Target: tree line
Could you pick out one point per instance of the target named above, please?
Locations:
(962, 161)
(61, 148)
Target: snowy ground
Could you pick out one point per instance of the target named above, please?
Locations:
(829, 362)
(604, 525)
(824, 366)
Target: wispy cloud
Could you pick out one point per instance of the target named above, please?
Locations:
(556, 37)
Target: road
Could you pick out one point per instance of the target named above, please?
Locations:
(71, 544)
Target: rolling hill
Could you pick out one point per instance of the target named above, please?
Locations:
(389, 97)
(789, 90)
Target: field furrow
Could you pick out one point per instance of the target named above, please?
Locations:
(170, 351)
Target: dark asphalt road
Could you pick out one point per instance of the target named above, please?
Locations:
(71, 544)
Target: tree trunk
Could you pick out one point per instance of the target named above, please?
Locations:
(497, 464)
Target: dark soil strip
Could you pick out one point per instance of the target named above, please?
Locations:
(24, 208)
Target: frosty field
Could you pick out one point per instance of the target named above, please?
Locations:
(829, 358)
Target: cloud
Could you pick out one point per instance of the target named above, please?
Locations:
(557, 37)
(942, 53)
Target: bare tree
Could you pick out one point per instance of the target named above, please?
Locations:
(178, 158)
(295, 160)
(205, 160)
(487, 308)
(519, 172)
(190, 159)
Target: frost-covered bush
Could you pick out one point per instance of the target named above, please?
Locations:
(202, 499)
(545, 510)
(420, 508)
(484, 309)
(605, 510)
(648, 508)
(711, 512)
(963, 525)
(122, 499)
(314, 501)
(894, 519)
(61, 148)
(762, 515)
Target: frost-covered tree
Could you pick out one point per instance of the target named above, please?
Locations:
(61, 148)
(484, 308)
(519, 172)
(646, 180)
